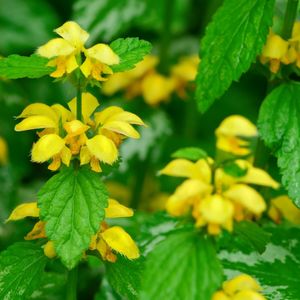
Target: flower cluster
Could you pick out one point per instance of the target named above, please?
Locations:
(107, 241)
(3, 152)
(214, 195)
(279, 51)
(241, 287)
(155, 88)
(66, 53)
(93, 140)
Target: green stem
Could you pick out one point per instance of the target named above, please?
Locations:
(289, 18)
(72, 284)
(166, 36)
(79, 102)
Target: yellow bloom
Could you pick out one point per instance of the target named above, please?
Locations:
(231, 132)
(215, 204)
(115, 238)
(157, 88)
(49, 249)
(22, 211)
(241, 287)
(283, 206)
(3, 151)
(274, 52)
(65, 53)
(131, 79)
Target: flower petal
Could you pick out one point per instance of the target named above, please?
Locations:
(120, 241)
(117, 210)
(106, 114)
(49, 249)
(103, 53)
(122, 128)
(127, 117)
(38, 109)
(75, 128)
(73, 33)
(247, 197)
(103, 149)
(35, 122)
(37, 232)
(46, 147)
(56, 47)
(62, 113)
(24, 210)
(89, 104)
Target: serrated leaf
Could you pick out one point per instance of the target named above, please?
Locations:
(72, 204)
(183, 266)
(191, 153)
(16, 66)
(22, 266)
(104, 19)
(277, 269)
(251, 233)
(125, 276)
(279, 127)
(130, 51)
(232, 41)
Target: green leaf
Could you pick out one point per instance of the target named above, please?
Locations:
(22, 266)
(16, 66)
(104, 19)
(130, 51)
(183, 266)
(191, 153)
(277, 269)
(125, 276)
(72, 204)
(251, 233)
(234, 170)
(279, 127)
(231, 43)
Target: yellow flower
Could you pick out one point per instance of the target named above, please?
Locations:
(215, 204)
(130, 80)
(274, 52)
(241, 287)
(115, 238)
(107, 239)
(183, 72)
(65, 53)
(157, 88)
(283, 206)
(231, 132)
(3, 151)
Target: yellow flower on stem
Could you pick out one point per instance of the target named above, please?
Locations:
(241, 287)
(216, 204)
(65, 53)
(275, 52)
(231, 132)
(115, 238)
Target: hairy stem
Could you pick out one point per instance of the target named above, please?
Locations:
(71, 288)
(79, 102)
(289, 18)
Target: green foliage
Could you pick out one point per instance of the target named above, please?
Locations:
(190, 153)
(22, 266)
(30, 25)
(16, 66)
(277, 269)
(130, 51)
(103, 19)
(183, 266)
(251, 234)
(231, 42)
(234, 170)
(72, 203)
(279, 127)
(125, 276)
